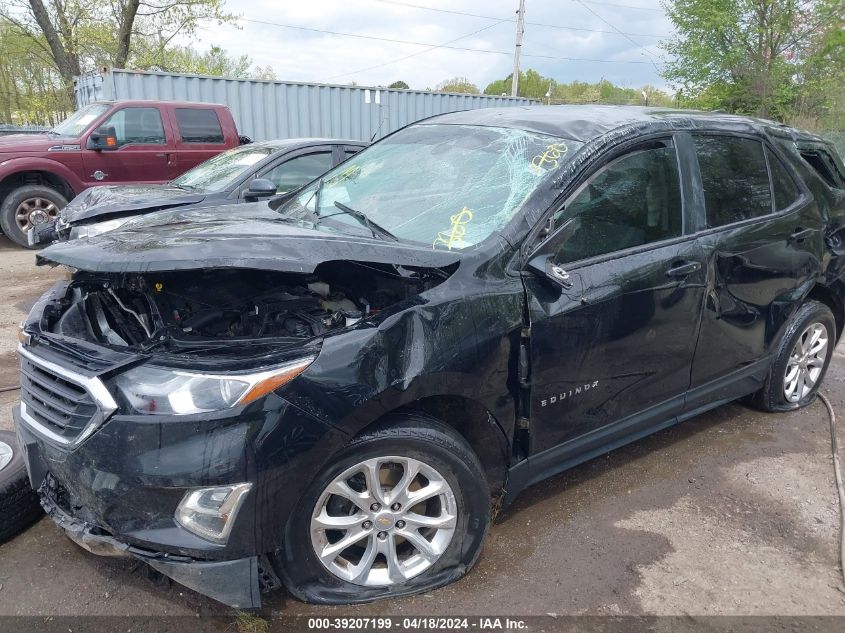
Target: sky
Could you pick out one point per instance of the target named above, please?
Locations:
(630, 60)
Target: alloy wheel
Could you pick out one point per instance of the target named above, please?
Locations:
(383, 521)
(806, 362)
(33, 211)
(6, 454)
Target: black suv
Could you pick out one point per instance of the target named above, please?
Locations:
(332, 392)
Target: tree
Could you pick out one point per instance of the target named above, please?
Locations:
(31, 91)
(771, 58)
(399, 85)
(80, 35)
(532, 85)
(215, 62)
(458, 84)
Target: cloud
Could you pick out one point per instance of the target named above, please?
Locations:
(299, 55)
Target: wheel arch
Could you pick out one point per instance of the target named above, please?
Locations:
(832, 299)
(35, 177)
(473, 422)
(31, 171)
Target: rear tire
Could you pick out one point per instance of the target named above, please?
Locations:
(27, 205)
(382, 562)
(801, 361)
(19, 505)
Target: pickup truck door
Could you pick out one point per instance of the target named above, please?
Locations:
(763, 239)
(145, 154)
(199, 135)
(614, 300)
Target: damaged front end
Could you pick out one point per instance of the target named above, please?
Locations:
(151, 400)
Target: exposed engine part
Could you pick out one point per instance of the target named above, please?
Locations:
(201, 308)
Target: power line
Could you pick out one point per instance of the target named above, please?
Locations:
(395, 61)
(541, 24)
(651, 59)
(623, 6)
(432, 45)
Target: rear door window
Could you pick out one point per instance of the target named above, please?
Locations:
(735, 179)
(783, 186)
(199, 125)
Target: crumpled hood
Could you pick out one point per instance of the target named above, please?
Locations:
(232, 236)
(115, 200)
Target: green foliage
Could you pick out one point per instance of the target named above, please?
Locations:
(31, 92)
(533, 85)
(42, 50)
(399, 85)
(782, 59)
(214, 62)
(458, 84)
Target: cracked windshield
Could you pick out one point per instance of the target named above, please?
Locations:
(216, 173)
(447, 186)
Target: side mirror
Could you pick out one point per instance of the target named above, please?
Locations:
(261, 188)
(103, 139)
(545, 267)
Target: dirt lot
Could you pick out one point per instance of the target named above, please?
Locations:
(731, 513)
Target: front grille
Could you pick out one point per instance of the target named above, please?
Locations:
(56, 403)
(63, 406)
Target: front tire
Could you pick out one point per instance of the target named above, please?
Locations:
(27, 206)
(19, 505)
(801, 361)
(400, 510)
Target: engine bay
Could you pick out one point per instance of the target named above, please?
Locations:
(202, 309)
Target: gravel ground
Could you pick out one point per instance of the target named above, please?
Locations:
(732, 513)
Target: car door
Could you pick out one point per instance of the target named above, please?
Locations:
(763, 238)
(144, 151)
(615, 312)
(199, 136)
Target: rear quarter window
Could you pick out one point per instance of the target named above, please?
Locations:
(735, 178)
(824, 165)
(199, 125)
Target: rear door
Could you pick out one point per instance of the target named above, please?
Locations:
(763, 238)
(199, 136)
(145, 151)
(615, 319)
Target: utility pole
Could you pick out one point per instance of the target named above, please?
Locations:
(520, 29)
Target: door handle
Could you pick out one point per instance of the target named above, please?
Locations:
(799, 235)
(682, 269)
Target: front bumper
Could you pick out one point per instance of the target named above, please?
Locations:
(236, 583)
(116, 493)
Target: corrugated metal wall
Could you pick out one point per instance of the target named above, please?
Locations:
(267, 110)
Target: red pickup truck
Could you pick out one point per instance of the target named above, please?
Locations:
(105, 143)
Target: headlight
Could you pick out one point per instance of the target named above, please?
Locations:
(210, 512)
(160, 391)
(97, 228)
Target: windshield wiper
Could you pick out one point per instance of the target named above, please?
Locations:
(363, 219)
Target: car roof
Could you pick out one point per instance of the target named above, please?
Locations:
(278, 145)
(585, 123)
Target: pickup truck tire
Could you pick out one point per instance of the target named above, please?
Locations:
(26, 206)
(801, 360)
(19, 505)
(422, 529)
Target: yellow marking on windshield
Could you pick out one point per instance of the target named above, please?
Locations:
(347, 174)
(456, 232)
(549, 158)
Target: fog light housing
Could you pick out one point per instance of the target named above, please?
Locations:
(210, 512)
